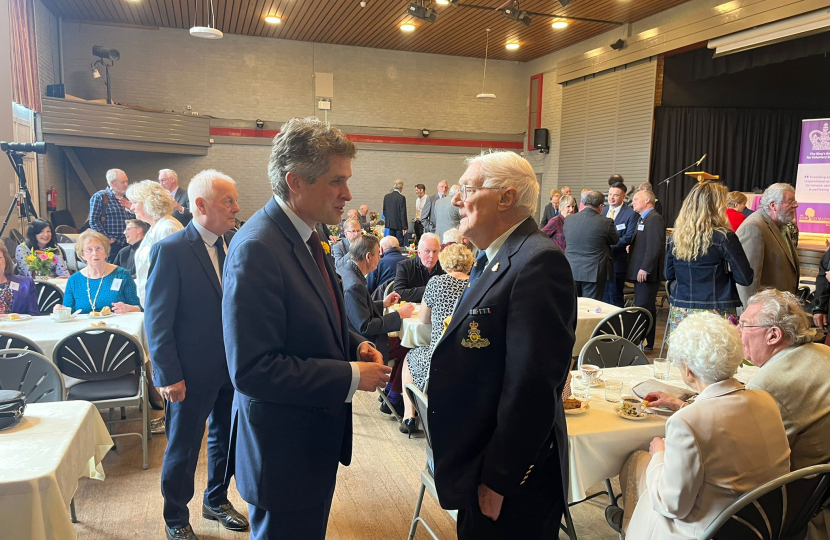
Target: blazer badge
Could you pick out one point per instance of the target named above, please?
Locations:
(474, 339)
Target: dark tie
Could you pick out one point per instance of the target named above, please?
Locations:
(220, 254)
(317, 252)
(478, 268)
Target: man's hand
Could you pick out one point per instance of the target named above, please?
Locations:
(173, 393)
(112, 240)
(662, 399)
(657, 445)
(367, 353)
(406, 311)
(490, 502)
(404, 231)
(820, 320)
(373, 375)
(126, 203)
(642, 276)
(179, 208)
(392, 298)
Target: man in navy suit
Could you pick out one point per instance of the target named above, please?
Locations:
(390, 256)
(646, 257)
(625, 221)
(501, 444)
(394, 212)
(292, 359)
(183, 315)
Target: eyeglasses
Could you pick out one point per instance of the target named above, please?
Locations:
(743, 326)
(93, 249)
(465, 190)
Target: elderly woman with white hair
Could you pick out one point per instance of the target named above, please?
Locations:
(727, 442)
(153, 205)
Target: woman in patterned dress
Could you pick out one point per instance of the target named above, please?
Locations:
(41, 235)
(439, 299)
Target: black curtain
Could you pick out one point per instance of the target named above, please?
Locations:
(749, 148)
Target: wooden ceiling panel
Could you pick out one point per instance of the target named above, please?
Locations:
(458, 31)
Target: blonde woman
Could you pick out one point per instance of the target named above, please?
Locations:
(153, 205)
(705, 257)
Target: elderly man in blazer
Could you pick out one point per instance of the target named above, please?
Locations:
(767, 245)
(625, 222)
(169, 180)
(394, 212)
(646, 257)
(427, 212)
(589, 237)
(183, 315)
(500, 458)
(340, 251)
(292, 358)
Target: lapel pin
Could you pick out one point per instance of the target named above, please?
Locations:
(496, 267)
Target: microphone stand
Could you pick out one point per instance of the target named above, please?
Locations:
(695, 164)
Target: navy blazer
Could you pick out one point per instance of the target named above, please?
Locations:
(183, 314)
(626, 218)
(495, 407)
(289, 361)
(24, 300)
(366, 315)
(394, 211)
(648, 248)
(385, 271)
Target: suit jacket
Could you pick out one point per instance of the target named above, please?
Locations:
(394, 211)
(625, 222)
(183, 314)
(427, 217)
(589, 238)
(768, 254)
(502, 333)
(648, 248)
(323, 232)
(24, 301)
(181, 197)
(126, 257)
(340, 252)
(411, 278)
(446, 216)
(288, 359)
(729, 441)
(387, 266)
(549, 213)
(366, 315)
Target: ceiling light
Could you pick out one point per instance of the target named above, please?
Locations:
(206, 32)
(559, 25)
(511, 46)
(513, 13)
(408, 27)
(422, 12)
(272, 19)
(564, 3)
(442, 2)
(484, 95)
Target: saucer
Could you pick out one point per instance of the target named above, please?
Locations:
(618, 412)
(594, 384)
(23, 317)
(70, 319)
(581, 410)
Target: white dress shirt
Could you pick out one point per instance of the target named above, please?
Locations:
(612, 211)
(494, 247)
(210, 244)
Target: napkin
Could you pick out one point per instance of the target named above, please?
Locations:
(645, 387)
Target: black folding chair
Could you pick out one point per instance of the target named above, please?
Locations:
(48, 296)
(632, 323)
(9, 340)
(611, 352)
(27, 371)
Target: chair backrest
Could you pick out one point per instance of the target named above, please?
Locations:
(18, 237)
(389, 288)
(421, 403)
(97, 354)
(805, 295)
(610, 352)
(66, 229)
(48, 295)
(63, 218)
(777, 510)
(632, 323)
(11, 244)
(33, 374)
(9, 340)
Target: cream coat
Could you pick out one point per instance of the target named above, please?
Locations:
(729, 441)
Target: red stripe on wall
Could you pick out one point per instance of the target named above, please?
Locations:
(382, 139)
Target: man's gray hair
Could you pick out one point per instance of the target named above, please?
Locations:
(362, 246)
(429, 236)
(398, 185)
(169, 172)
(305, 146)
(648, 194)
(709, 345)
(452, 235)
(112, 174)
(783, 310)
(202, 185)
(509, 169)
(775, 193)
(389, 242)
(453, 190)
(594, 199)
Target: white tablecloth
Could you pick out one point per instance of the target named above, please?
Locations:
(60, 283)
(600, 441)
(41, 460)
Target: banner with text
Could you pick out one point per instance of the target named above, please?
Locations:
(812, 186)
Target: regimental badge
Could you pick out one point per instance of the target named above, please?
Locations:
(474, 338)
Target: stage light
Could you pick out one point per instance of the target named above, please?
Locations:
(515, 14)
(422, 12)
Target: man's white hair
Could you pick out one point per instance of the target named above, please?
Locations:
(452, 235)
(775, 193)
(169, 172)
(203, 185)
(428, 236)
(389, 242)
(453, 190)
(709, 345)
(112, 174)
(508, 169)
(783, 310)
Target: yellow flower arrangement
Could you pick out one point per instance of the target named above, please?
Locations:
(40, 261)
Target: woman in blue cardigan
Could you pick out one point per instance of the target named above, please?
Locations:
(17, 293)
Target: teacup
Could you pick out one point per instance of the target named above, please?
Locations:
(591, 373)
(62, 314)
(632, 404)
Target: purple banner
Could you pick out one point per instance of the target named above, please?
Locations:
(815, 141)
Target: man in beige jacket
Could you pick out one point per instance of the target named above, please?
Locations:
(767, 244)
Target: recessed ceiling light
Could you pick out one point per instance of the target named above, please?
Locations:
(559, 25)
(272, 19)
(442, 2)
(408, 27)
(511, 46)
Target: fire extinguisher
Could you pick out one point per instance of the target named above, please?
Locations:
(52, 199)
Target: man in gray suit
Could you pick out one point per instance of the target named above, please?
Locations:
(340, 251)
(589, 236)
(169, 180)
(427, 216)
(767, 245)
(445, 214)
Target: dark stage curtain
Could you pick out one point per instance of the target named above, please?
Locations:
(748, 148)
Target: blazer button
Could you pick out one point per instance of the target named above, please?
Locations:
(522, 482)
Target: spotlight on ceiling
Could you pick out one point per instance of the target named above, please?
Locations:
(408, 27)
(559, 25)
(512, 46)
(564, 3)
(422, 12)
(272, 19)
(108, 54)
(513, 13)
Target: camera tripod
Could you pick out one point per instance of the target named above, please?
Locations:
(22, 199)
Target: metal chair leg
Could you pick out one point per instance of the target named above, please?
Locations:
(72, 516)
(665, 333)
(417, 512)
(568, 527)
(385, 399)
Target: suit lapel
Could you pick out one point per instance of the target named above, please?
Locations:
(780, 238)
(198, 247)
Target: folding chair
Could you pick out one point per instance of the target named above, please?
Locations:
(610, 352)
(48, 296)
(632, 323)
(9, 340)
(28, 371)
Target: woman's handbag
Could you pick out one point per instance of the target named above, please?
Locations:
(12, 405)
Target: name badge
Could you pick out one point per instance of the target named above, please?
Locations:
(621, 227)
(15, 286)
(641, 227)
(116, 284)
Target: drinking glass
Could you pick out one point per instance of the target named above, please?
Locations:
(580, 388)
(662, 369)
(613, 390)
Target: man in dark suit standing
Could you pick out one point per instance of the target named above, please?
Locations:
(428, 211)
(169, 180)
(625, 222)
(501, 458)
(646, 256)
(183, 314)
(394, 212)
(292, 359)
(589, 237)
